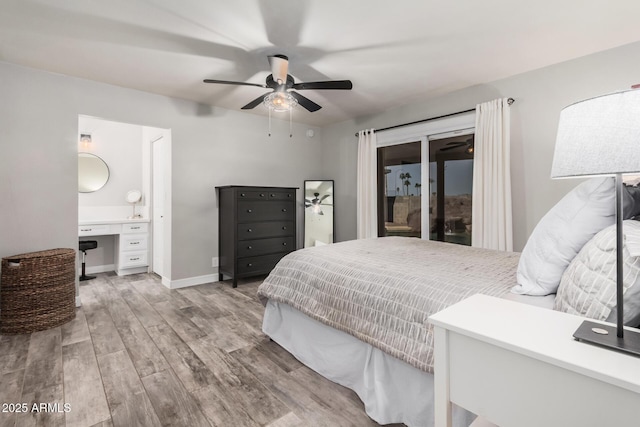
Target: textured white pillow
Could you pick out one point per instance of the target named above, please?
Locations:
(562, 232)
(588, 286)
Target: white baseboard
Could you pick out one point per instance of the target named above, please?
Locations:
(100, 269)
(78, 302)
(190, 281)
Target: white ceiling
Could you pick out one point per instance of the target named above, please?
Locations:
(395, 52)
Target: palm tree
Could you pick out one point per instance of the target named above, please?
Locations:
(406, 183)
(418, 185)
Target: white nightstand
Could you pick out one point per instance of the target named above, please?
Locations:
(518, 365)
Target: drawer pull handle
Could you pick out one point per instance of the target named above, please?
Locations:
(284, 210)
(85, 229)
(243, 195)
(261, 194)
(284, 244)
(134, 243)
(249, 265)
(249, 211)
(249, 247)
(273, 195)
(289, 195)
(249, 230)
(134, 259)
(135, 228)
(284, 228)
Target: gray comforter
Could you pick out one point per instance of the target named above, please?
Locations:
(383, 290)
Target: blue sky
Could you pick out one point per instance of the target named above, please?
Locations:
(458, 178)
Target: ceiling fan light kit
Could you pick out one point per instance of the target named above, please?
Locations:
(283, 98)
(280, 101)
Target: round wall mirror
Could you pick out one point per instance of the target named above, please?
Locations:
(93, 173)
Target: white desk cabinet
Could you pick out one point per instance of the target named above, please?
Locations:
(518, 365)
(131, 246)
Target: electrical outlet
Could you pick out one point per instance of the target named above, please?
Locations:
(214, 261)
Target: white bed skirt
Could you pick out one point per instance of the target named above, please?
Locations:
(392, 391)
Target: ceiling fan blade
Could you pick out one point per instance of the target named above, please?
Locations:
(226, 82)
(255, 102)
(306, 102)
(452, 147)
(279, 68)
(324, 197)
(332, 84)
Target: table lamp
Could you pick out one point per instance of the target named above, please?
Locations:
(601, 136)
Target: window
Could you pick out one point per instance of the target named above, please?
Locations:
(400, 190)
(413, 162)
(450, 189)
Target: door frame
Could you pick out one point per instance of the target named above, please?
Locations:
(424, 132)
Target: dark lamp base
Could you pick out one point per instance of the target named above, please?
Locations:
(629, 344)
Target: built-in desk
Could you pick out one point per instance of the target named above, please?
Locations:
(131, 247)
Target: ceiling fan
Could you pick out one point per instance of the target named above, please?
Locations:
(456, 144)
(282, 98)
(315, 203)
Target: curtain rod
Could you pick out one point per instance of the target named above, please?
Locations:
(509, 101)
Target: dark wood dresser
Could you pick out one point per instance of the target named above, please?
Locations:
(256, 227)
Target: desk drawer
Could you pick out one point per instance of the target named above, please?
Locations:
(93, 230)
(133, 259)
(249, 211)
(136, 227)
(260, 230)
(133, 242)
(258, 264)
(265, 246)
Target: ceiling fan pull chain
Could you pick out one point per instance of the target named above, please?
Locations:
(269, 121)
(290, 123)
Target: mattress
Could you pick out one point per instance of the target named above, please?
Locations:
(383, 290)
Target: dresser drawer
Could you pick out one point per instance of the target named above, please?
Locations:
(265, 246)
(137, 227)
(133, 259)
(267, 195)
(249, 211)
(261, 230)
(133, 242)
(258, 264)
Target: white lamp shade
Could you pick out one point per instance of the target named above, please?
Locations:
(599, 136)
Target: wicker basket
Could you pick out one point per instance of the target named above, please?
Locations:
(37, 291)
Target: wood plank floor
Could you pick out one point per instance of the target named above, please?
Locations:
(139, 354)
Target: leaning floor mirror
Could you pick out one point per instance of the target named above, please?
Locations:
(319, 226)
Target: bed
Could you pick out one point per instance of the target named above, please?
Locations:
(356, 312)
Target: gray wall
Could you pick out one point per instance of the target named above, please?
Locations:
(210, 146)
(539, 95)
(120, 146)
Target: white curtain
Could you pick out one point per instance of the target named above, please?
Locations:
(491, 204)
(367, 185)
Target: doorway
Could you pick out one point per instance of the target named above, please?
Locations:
(138, 158)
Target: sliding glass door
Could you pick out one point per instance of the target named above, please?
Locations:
(450, 189)
(441, 170)
(400, 190)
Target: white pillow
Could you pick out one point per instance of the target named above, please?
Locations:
(588, 286)
(562, 232)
